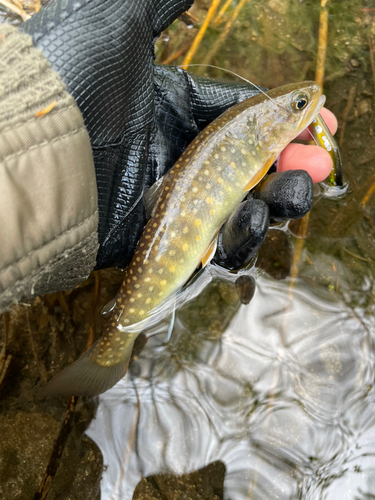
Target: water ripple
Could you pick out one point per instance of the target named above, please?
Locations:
(282, 395)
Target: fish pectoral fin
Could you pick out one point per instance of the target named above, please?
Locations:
(171, 325)
(210, 252)
(151, 197)
(262, 172)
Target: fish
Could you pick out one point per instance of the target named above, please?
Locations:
(194, 199)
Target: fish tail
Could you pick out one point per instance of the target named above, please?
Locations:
(86, 377)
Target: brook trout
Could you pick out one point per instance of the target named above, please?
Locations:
(211, 178)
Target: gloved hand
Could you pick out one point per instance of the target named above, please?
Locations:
(140, 117)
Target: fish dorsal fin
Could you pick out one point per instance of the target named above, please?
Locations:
(151, 197)
(262, 172)
(210, 252)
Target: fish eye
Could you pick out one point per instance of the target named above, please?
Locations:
(299, 102)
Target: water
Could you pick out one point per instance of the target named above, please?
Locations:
(270, 400)
(283, 398)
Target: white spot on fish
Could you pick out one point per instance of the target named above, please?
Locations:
(319, 129)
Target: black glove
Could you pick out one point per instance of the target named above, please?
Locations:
(140, 117)
(280, 196)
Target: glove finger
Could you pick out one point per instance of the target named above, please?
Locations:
(242, 234)
(166, 11)
(289, 195)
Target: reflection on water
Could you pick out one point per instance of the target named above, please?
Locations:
(283, 397)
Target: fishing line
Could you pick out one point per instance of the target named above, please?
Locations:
(238, 76)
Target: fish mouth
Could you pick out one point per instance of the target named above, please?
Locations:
(318, 107)
(312, 113)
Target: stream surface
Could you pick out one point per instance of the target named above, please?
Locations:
(274, 399)
(283, 398)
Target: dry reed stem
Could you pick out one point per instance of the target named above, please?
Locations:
(219, 42)
(218, 19)
(39, 364)
(368, 195)
(299, 245)
(11, 6)
(4, 358)
(319, 77)
(57, 451)
(372, 64)
(322, 43)
(175, 55)
(202, 30)
(18, 4)
(94, 305)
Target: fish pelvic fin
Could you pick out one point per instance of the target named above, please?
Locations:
(259, 176)
(210, 252)
(86, 377)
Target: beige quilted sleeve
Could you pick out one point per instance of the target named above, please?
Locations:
(48, 197)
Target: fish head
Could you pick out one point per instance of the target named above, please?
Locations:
(286, 112)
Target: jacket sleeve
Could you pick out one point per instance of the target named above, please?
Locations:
(48, 196)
